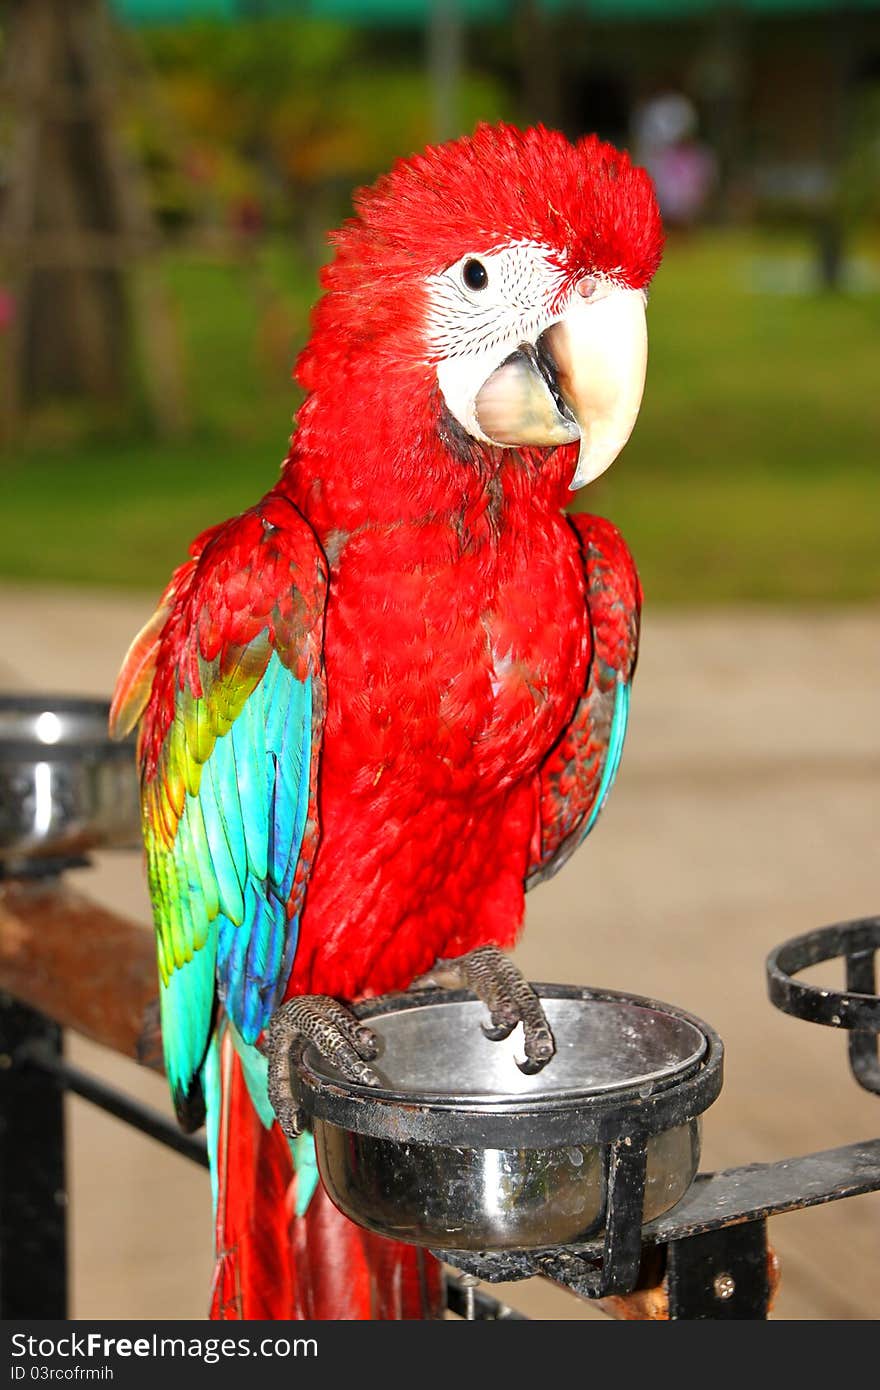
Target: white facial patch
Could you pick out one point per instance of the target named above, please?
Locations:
(471, 331)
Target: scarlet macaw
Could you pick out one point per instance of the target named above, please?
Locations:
(380, 704)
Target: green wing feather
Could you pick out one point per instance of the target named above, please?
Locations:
(229, 744)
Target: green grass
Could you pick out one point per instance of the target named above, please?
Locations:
(752, 474)
(753, 471)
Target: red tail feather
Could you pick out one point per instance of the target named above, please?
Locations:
(273, 1264)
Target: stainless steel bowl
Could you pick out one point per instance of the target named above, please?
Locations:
(65, 787)
(459, 1149)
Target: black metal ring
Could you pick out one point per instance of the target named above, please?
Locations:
(852, 1008)
(600, 1119)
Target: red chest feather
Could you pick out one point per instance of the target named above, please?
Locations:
(452, 665)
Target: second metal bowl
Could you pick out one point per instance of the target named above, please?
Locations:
(65, 787)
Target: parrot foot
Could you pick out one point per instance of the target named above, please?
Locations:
(337, 1034)
(509, 997)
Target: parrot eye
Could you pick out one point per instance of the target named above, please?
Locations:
(475, 275)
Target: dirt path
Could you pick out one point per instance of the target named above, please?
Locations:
(747, 810)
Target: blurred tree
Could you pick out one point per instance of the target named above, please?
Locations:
(73, 221)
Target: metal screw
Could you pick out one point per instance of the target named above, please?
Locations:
(724, 1286)
(467, 1283)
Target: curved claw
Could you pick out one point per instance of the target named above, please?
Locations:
(497, 1032)
(539, 1046)
(495, 979)
(339, 1037)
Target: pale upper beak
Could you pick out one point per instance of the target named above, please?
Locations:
(583, 379)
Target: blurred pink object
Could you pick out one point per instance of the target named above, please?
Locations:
(246, 216)
(7, 308)
(684, 176)
(683, 169)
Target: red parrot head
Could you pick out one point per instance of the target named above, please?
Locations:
(504, 274)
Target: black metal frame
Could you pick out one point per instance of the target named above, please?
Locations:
(712, 1244)
(857, 1008)
(715, 1208)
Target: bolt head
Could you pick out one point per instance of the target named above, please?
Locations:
(724, 1286)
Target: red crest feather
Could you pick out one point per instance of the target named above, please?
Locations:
(586, 199)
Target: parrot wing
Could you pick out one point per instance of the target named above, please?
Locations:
(227, 682)
(578, 774)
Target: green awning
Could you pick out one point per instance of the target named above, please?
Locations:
(405, 12)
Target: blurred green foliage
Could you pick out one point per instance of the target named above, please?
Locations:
(288, 112)
(858, 181)
(752, 474)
